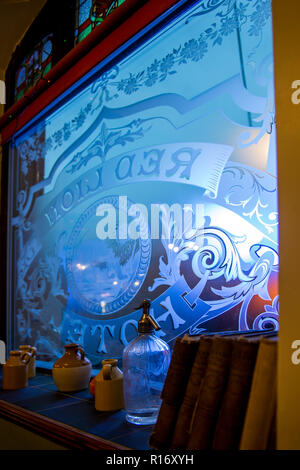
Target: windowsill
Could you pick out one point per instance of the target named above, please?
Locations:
(70, 419)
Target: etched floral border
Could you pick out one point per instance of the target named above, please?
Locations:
(231, 17)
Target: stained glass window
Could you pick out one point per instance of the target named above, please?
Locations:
(90, 13)
(35, 65)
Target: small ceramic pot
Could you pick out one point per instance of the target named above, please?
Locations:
(15, 372)
(31, 365)
(72, 371)
(109, 387)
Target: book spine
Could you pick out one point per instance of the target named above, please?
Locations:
(234, 404)
(182, 427)
(172, 394)
(210, 394)
(262, 399)
(272, 437)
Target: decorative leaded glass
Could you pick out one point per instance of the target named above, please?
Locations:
(35, 65)
(90, 13)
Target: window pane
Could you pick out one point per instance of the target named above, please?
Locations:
(90, 13)
(156, 180)
(36, 64)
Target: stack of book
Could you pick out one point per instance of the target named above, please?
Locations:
(219, 393)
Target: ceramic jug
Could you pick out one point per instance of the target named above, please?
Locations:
(109, 387)
(31, 365)
(15, 371)
(72, 371)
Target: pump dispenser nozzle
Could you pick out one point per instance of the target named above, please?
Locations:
(146, 322)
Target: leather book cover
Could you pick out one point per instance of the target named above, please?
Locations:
(182, 427)
(173, 391)
(262, 399)
(211, 393)
(231, 417)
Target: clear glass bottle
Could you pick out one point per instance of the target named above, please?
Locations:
(145, 364)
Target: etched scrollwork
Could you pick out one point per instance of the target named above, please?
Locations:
(213, 254)
(252, 194)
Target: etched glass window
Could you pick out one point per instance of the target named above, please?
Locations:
(153, 178)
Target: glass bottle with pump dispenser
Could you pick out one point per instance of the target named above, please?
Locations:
(145, 364)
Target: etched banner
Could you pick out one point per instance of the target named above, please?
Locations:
(194, 163)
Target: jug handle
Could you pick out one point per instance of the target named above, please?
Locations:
(82, 353)
(26, 356)
(107, 371)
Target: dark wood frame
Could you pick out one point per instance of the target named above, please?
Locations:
(3, 221)
(56, 431)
